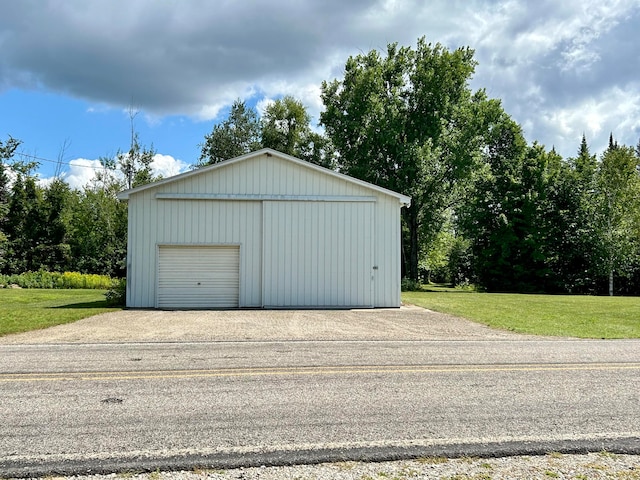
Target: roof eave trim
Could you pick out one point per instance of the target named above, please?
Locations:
(404, 200)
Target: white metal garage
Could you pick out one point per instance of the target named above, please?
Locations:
(263, 230)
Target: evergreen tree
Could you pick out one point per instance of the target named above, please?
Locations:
(508, 215)
(14, 228)
(7, 150)
(574, 238)
(34, 230)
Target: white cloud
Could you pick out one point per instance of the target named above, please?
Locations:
(561, 68)
(263, 104)
(616, 111)
(167, 166)
(81, 172)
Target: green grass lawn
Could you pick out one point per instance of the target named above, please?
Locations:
(32, 309)
(557, 315)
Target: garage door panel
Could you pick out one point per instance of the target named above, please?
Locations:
(198, 276)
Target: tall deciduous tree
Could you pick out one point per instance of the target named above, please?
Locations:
(235, 136)
(286, 127)
(407, 121)
(55, 251)
(618, 209)
(97, 230)
(135, 164)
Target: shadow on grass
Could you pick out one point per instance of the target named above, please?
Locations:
(96, 304)
(440, 288)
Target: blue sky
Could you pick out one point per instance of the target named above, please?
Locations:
(70, 69)
(44, 121)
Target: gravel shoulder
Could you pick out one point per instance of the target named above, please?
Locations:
(405, 323)
(592, 466)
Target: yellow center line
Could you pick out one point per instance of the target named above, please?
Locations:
(302, 371)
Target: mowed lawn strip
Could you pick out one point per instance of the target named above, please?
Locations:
(33, 309)
(555, 315)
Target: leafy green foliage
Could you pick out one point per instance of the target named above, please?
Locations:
(97, 232)
(24, 225)
(285, 127)
(573, 237)
(408, 285)
(54, 251)
(235, 136)
(66, 280)
(117, 295)
(55, 228)
(509, 217)
(7, 150)
(408, 122)
(617, 211)
(135, 164)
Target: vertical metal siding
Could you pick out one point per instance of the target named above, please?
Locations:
(387, 253)
(337, 234)
(193, 223)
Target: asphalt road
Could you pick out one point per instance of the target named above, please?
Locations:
(110, 407)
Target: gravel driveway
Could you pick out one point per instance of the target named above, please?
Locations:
(405, 323)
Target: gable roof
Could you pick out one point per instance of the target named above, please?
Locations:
(403, 199)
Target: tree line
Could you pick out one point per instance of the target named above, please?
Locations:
(60, 229)
(488, 208)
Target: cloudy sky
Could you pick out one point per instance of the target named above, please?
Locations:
(70, 69)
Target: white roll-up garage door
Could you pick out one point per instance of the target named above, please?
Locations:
(198, 276)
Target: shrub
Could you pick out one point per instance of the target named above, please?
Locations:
(117, 295)
(408, 285)
(44, 279)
